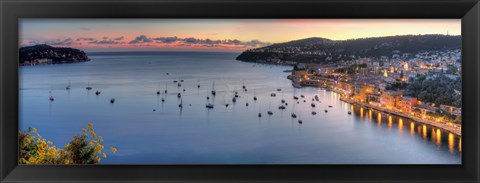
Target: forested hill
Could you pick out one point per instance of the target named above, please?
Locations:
(320, 49)
(55, 54)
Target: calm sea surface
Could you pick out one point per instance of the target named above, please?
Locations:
(146, 130)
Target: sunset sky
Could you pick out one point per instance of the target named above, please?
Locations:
(214, 34)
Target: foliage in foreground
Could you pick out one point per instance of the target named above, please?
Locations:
(85, 148)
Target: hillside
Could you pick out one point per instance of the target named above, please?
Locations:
(325, 50)
(55, 54)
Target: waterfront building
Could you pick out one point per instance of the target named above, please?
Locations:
(374, 99)
(390, 99)
(451, 109)
(425, 110)
(299, 73)
(408, 103)
(363, 91)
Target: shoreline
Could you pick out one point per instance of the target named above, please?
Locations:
(58, 63)
(449, 128)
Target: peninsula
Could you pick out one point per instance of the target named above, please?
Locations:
(46, 54)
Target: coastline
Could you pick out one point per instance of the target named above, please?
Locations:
(61, 62)
(446, 127)
(450, 127)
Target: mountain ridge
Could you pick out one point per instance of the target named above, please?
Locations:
(320, 50)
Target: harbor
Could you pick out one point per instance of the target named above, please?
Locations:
(152, 119)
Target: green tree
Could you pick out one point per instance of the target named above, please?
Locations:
(85, 148)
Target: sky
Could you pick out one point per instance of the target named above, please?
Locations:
(233, 35)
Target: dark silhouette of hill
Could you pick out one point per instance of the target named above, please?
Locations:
(317, 49)
(56, 54)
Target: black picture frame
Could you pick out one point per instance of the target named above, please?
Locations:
(13, 10)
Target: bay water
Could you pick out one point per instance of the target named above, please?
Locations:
(146, 130)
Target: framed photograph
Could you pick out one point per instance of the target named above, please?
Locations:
(127, 91)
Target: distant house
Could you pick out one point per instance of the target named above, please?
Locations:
(390, 99)
(300, 73)
(425, 109)
(408, 103)
(345, 86)
(361, 92)
(374, 99)
(44, 61)
(451, 109)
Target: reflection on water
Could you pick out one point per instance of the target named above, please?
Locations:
(412, 128)
(424, 131)
(451, 142)
(389, 121)
(400, 124)
(424, 127)
(370, 114)
(379, 118)
(439, 137)
(460, 145)
(361, 112)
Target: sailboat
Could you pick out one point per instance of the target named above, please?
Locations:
(300, 116)
(88, 87)
(293, 114)
(68, 86)
(269, 112)
(283, 100)
(209, 105)
(259, 111)
(254, 95)
(181, 103)
(213, 89)
(166, 86)
(198, 84)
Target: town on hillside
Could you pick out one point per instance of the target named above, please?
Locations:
(425, 87)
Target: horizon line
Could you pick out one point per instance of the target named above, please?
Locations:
(220, 49)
